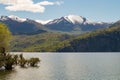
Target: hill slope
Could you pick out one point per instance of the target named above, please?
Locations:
(36, 43)
(106, 40)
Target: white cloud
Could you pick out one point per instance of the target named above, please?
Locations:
(44, 3)
(27, 5)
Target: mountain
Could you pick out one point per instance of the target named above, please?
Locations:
(116, 24)
(73, 23)
(70, 24)
(22, 26)
(104, 40)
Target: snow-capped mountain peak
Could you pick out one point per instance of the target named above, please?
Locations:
(75, 19)
(12, 17)
(16, 18)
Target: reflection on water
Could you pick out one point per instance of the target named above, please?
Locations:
(69, 67)
(5, 75)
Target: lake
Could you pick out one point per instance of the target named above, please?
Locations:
(79, 66)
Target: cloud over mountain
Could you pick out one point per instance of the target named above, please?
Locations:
(27, 5)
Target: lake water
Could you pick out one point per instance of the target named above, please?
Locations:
(79, 66)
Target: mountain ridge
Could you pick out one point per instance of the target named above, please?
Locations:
(22, 26)
(73, 23)
(70, 24)
(70, 18)
(77, 19)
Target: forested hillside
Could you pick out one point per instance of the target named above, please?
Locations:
(106, 40)
(38, 42)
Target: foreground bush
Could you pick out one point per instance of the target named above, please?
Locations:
(9, 61)
(33, 62)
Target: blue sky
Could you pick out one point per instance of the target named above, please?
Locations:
(94, 10)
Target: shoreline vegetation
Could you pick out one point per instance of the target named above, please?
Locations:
(9, 61)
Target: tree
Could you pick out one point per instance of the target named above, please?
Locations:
(5, 37)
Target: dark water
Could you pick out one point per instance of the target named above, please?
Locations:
(81, 66)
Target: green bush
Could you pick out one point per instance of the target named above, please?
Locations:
(34, 61)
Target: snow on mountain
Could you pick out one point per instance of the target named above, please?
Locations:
(12, 17)
(70, 23)
(16, 18)
(75, 23)
(75, 19)
(19, 25)
(43, 22)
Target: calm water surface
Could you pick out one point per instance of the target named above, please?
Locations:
(80, 66)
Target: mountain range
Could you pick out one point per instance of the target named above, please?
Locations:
(70, 24)
(74, 23)
(22, 26)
